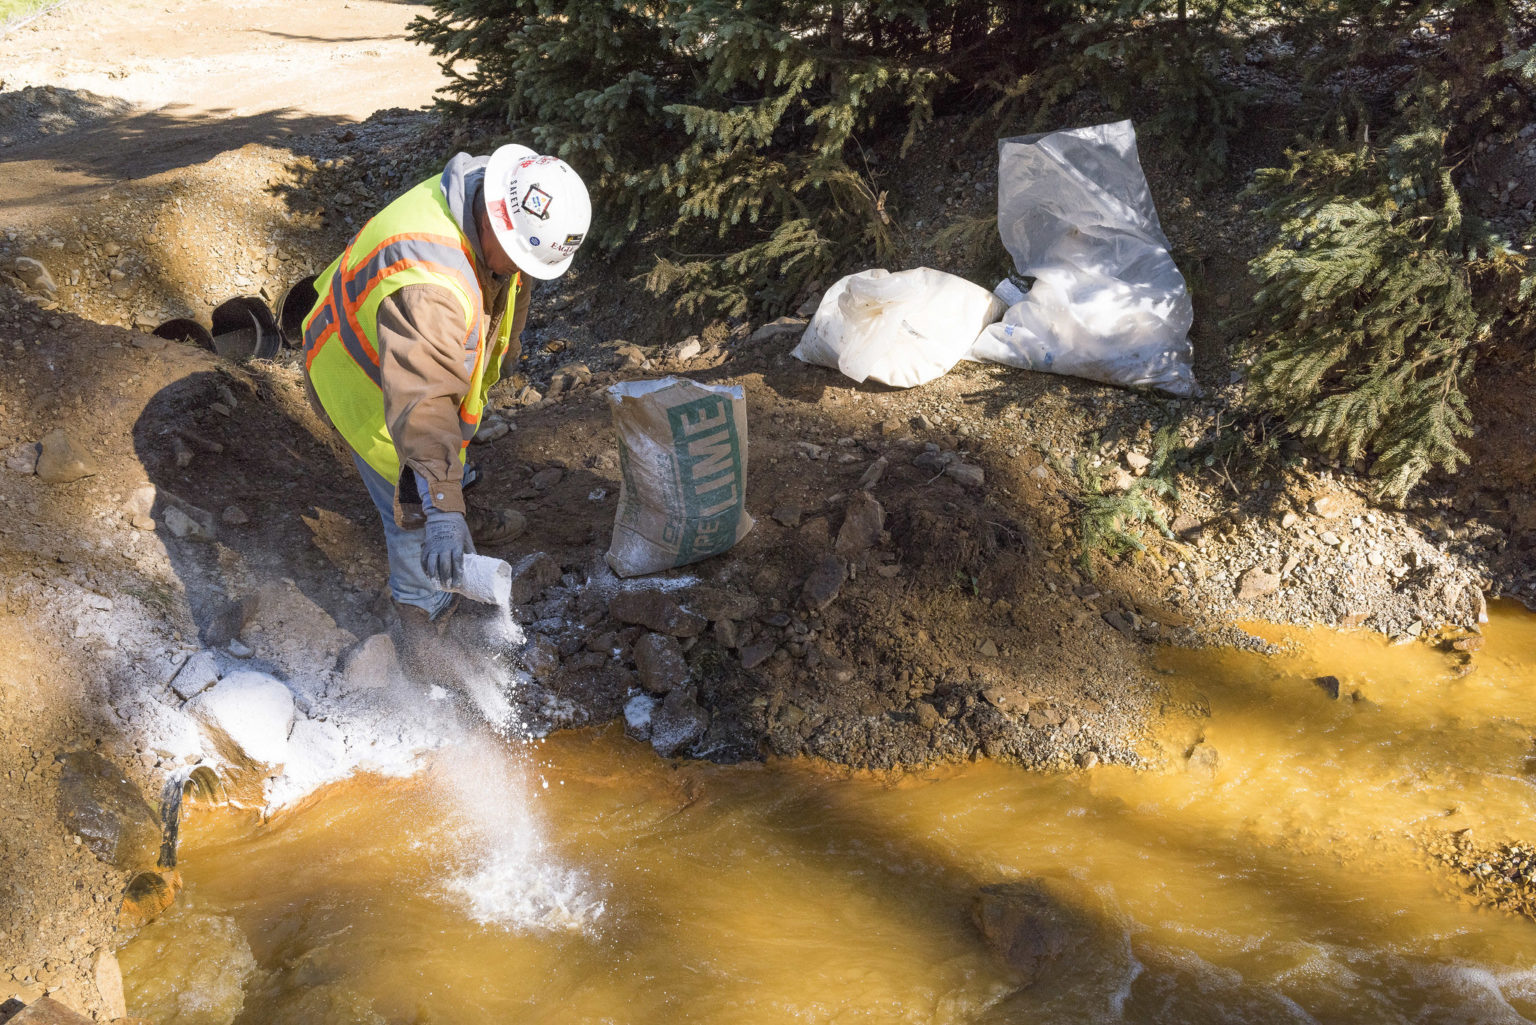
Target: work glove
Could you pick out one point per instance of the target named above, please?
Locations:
(442, 553)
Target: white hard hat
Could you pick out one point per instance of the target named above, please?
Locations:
(539, 209)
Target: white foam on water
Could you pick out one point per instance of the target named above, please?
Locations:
(504, 875)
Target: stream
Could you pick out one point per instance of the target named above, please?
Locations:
(1274, 871)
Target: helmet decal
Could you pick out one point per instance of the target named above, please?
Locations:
(575, 240)
(536, 202)
(533, 240)
(499, 209)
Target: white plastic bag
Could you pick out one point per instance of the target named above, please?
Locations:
(1108, 304)
(901, 329)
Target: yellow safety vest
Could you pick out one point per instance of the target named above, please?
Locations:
(412, 241)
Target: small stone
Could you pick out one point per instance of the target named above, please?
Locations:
(1326, 506)
(727, 633)
(1006, 700)
(1137, 462)
(531, 575)
(22, 457)
(787, 514)
(1121, 622)
(1375, 559)
(688, 349)
(988, 648)
(546, 478)
(255, 710)
(181, 525)
(239, 649)
(656, 611)
(889, 571)
(572, 375)
(968, 474)
(863, 522)
(638, 713)
(774, 329)
(234, 516)
(1289, 520)
(1472, 643)
(927, 716)
(1087, 759)
(62, 461)
(1329, 538)
(1256, 583)
(660, 663)
(824, 583)
(34, 275)
(678, 723)
(490, 431)
(754, 655)
(196, 675)
(874, 473)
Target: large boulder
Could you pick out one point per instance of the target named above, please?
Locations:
(1047, 931)
(107, 812)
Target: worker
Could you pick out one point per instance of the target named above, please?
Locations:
(414, 323)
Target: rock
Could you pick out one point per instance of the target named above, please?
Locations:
(638, 713)
(181, 525)
(108, 976)
(633, 356)
(656, 611)
(928, 717)
(546, 478)
(200, 672)
(253, 710)
(572, 375)
(34, 275)
(1087, 759)
(1329, 538)
(863, 520)
(369, 664)
(969, 474)
(234, 516)
(875, 472)
(226, 620)
(22, 457)
(1006, 700)
(1046, 932)
(776, 329)
(1202, 760)
(146, 896)
(1137, 462)
(754, 655)
(931, 460)
(491, 430)
(1289, 519)
(540, 657)
(825, 581)
(687, 349)
(239, 649)
(727, 633)
(988, 648)
(531, 575)
(717, 603)
(660, 663)
(787, 514)
(678, 724)
(1256, 582)
(1472, 643)
(111, 817)
(47, 1011)
(62, 460)
(1326, 506)
(1121, 622)
(1330, 685)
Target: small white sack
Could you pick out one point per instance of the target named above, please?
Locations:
(1108, 304)
(901, 329)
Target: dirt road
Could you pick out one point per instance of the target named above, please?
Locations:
(132, 88)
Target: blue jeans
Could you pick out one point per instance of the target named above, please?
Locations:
(407, 582)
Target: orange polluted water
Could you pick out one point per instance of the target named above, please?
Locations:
(1276, 880)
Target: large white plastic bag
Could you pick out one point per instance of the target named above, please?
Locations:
(901, 329)
(1108, 304)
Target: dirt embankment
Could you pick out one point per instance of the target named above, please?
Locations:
(220, 530)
